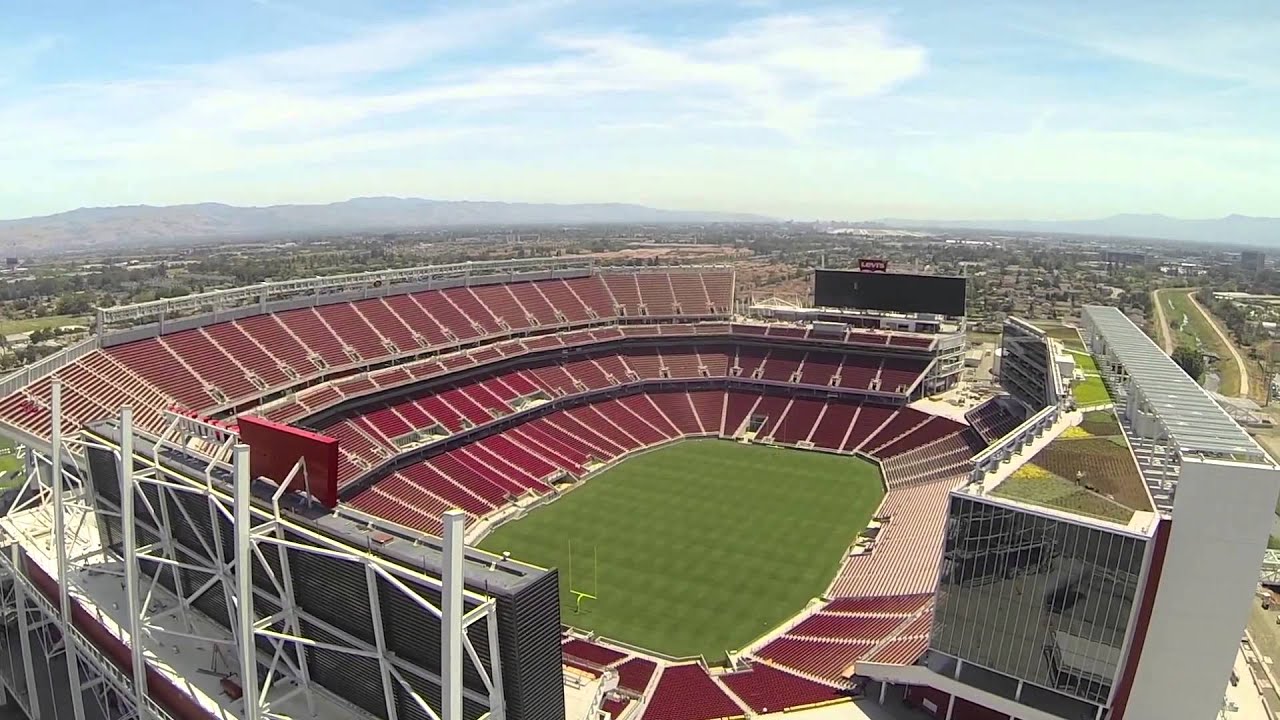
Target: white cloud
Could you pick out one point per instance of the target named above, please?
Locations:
(789, 113)
(1212, 43)
(378, 49)
(779, 73)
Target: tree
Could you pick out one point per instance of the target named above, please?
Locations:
(1190, 360)
(73, 304)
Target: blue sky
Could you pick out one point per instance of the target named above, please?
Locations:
(795, 109)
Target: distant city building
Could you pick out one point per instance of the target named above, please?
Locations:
(1116, 259)
(1253, 260)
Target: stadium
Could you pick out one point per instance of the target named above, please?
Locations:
(543, 489)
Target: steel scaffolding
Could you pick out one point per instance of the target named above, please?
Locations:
(269, 640)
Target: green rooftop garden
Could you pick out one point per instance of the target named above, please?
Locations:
(1086, 470)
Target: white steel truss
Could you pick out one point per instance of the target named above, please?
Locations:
(272, 646)
(54, 651)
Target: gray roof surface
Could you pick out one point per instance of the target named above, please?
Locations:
(1195, 422)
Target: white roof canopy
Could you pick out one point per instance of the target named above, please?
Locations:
(1194, 421)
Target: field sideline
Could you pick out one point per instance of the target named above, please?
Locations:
(703, 545)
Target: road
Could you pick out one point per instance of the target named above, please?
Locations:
(1226, 341)
(1265, 646)
(1162, 325)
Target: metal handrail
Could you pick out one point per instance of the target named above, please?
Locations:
(84, 645)
(46, 366)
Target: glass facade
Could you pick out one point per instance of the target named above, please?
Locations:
(1038, 599)
(1025, 366)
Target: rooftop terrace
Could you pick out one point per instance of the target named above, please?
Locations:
(1086, 470)
(1147, 378)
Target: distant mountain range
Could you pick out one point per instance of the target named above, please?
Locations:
(145, 225)
(1232, 229)
(141, 225)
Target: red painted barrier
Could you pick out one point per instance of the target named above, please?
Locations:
(176, 701)
(274, 449)
(1145, 607)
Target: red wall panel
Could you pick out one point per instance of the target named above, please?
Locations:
(275, 448)
(1125, 685)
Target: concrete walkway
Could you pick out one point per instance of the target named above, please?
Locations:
(1254, 694)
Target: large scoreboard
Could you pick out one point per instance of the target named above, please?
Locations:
(892, 292)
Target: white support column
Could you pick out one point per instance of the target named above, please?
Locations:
(129, 531)
(20, 599)
(60, 546)
(451, 615)
(497, 697)
(244, 585)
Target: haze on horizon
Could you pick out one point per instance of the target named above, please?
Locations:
(795, 109)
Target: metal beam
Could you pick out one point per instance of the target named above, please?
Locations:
(60, 546)
(261, 527)
(451, 611)
(128, 529)
(380, 641)
(497, 695)
(244, 586)
(20, 599)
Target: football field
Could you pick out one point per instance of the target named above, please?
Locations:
(701, 546)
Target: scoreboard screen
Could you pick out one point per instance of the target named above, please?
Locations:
(894, 292)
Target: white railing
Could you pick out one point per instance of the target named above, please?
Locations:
(1043, 419)
(46, 366)
(593, 710)
(84, 646)
(267, 291)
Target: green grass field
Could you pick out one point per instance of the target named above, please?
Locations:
(1109, 487)
(1198, 332)
(9, 465)
(12, 326)
(1069, 336)
(703, 545)
(1092, 391)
